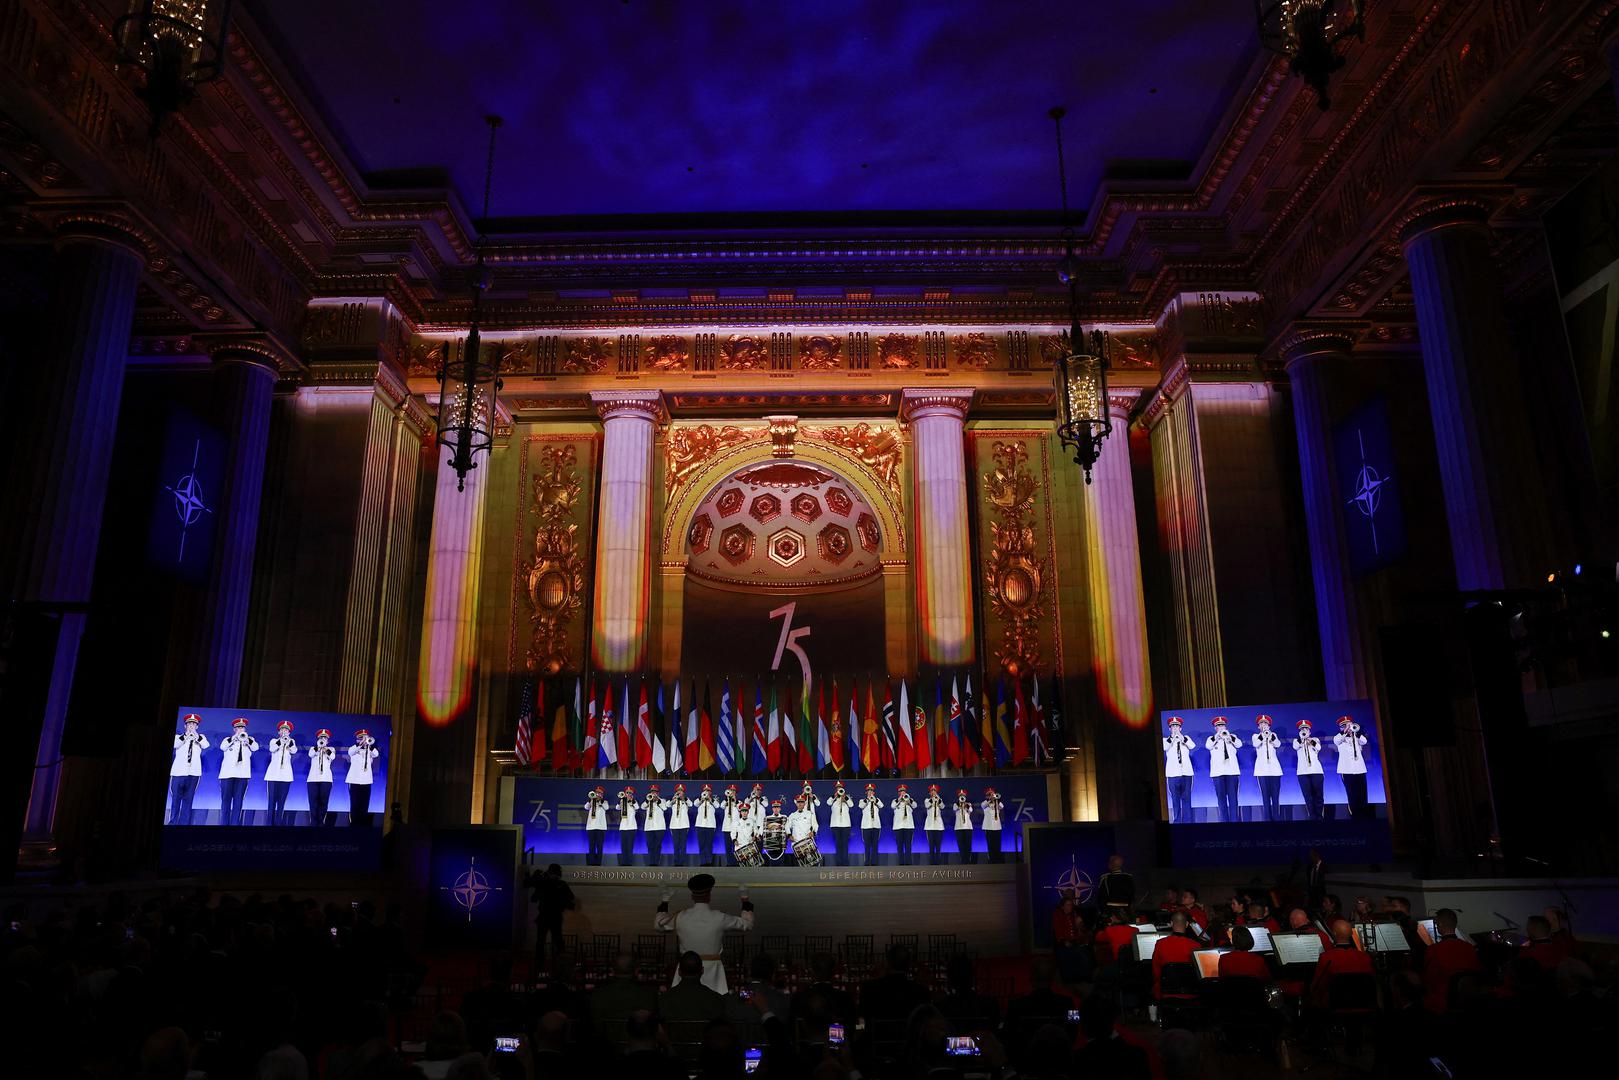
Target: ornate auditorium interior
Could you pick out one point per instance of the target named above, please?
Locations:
(1131, 449)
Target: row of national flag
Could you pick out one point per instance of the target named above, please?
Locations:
(621, 725)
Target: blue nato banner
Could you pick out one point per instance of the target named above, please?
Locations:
(551, 810)
(250, 788)
(1369, 489)
(186, 498)
(473, 888)
(1065, 859)
(1287, 777)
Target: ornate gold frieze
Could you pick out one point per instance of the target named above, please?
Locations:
(689, 446)
(876, 446)
(1016, 568)
(897, 351)
(783, 431)
(588, 355)
(744, 352)
(976, 351)
(425, 356)
(667, 353)
(553, 580)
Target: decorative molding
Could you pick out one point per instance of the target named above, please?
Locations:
(648, 403)
(878, 448)
(1307, 340)
(783, 432)
(957, 400)
(1018, 566)
(688, 447)
(552, 581)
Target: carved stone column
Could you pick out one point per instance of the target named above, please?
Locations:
(57, 486)
(1310, 352)
(944, 584)
(1118, 608)
(1475, 395)
(624, 527)
(449, 656)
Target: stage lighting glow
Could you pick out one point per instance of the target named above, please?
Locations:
(1605, 635)
(1577, 568)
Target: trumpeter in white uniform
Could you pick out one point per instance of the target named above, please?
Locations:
(318, 781)
(963, 825)
(186, 771)
(653, 825)
(1225, 768)
(1351, 764)
(701, 929)
(904, 808)
(734, 812)
(595, 825)
(933, 824)
(994, 810)
(841, 805)
(278, 776)
(235, 770)
(760, 807)
(627, 809)
(871, 823)
(362, 757)
(708, 819)
(1178, 771)
(1308, 749)
(679, 825)
(1268, 767)
(812, 801)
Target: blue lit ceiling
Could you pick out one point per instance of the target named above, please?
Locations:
(767, 107)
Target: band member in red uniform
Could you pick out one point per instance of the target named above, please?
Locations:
(1446, 958)
(1342, 959)
(1176, 947)
(1241, 962)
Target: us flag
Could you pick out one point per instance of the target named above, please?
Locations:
(525, 723)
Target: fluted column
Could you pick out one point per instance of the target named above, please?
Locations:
(58, 484)
(624, 527)
(1475, 396)
(1118, 607)
(449, 657)
(243, 385)
(943, 543)
(1310, 351)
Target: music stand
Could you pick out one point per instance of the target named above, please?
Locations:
(1297, 948)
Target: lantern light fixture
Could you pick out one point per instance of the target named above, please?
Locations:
(177, 44)
(1309, 33)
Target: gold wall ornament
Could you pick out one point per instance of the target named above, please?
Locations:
(667, 352)
(688, 447)
(976, 351)
(820, 352)
(1016, 572)
(896, 351)
(517, 356)
(878, 448)
(588, 355)
(554, 580)
(783, 430)
(425, 356)
(744, 352)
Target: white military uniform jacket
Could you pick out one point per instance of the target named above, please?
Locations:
(1178, 756)
(1223, 759)
(743, 817)
(188, 754)
(869, 818)
(1309, 752)
(281, 751)
(626, 814)
(360, 759)
(992, 814)
(1267, 760)
(840, 811)
(904, 809)
(320, 764)
(680, 812)
(964, 814)
(701, 929)
(596, 815)
(801, 825)
(1350, 759)
(934, 819)
(760, 809)
(655, 819)
(734, 812)
(236, 756)
(707, 812)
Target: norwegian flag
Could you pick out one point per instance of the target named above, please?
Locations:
(525, 723)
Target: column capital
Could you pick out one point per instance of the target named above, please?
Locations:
(1121, 400)
(254, 350)
(1443, 212)
(104, 227)
(612, 403)
(1311, 339)
(919, 402)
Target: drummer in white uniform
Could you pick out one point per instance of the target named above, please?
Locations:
(871, 823)
(186, 772)
(701, 929)
(278, 777)
(801, 826)
(744, 836)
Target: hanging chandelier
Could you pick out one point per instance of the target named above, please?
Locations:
(468, 384)
(1308, 33)
(178, 44)
(1080, 375)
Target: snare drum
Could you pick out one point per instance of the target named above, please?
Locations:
(748, 854)
(806, 852)
(775, 838)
